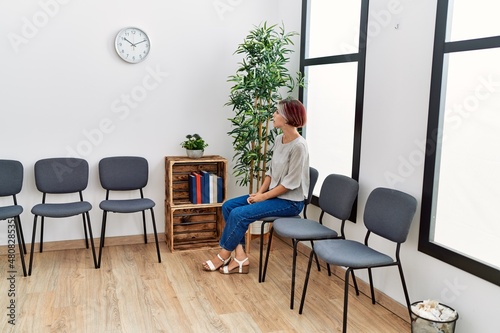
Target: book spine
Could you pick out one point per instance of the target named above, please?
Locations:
(213, 188)
(220, 189)
(198, 187)
(205, 187)
(192, 188)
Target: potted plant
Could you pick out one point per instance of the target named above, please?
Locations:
(261, 77)
(195, 145)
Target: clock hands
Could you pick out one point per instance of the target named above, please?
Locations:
(134, 45)
(129, 41)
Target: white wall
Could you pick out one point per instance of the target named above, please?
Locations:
(66, 79)
(65, 92)
(398, 72)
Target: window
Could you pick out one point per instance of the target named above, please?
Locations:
(334, 34)
(459, 220)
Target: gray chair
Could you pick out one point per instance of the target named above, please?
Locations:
(125, 173)
(313, 179)
(61, 176)
(388, 213)
(11, 183)
(336, 198)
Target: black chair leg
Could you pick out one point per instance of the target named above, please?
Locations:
(372, 291)
(261, 253)
(101, 240)
(32, 246)
(22, 235)
(156, 235)
(20, 240)
(317, 261)
(294, 267)
(85, 232)
(304, 290)
(346, 300)
(271, 232)
(144, 227)
(41, 234)
(91, 239)
(355, 283)
(405, 290)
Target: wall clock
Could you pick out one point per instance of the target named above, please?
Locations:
(132, 45)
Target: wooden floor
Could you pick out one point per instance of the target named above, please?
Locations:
(132, 292)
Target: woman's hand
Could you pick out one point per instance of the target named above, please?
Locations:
(256, 197)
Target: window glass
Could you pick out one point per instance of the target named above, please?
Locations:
(333, 27)
(459, 223)
(473, 19)
(468, 172)
(331, 99)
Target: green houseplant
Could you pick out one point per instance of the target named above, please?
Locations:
(194, 145)
(258, 83)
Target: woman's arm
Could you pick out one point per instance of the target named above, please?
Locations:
(263, 193)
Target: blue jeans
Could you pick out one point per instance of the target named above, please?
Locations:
(238, 214)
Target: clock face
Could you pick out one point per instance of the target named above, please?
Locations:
(132, 45)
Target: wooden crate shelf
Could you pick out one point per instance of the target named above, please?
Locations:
(188, 225)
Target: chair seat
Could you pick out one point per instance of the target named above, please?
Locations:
(127, 206)
(302, 229)
(10, 211)
(348, 253)
(273, 218)
(61, 209)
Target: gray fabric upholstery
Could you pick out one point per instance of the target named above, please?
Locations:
(61, 175)
(348, 253)
(336, 198)
(123, 173)
(127, 206)
(11, 177)
(58, 210)
(313, 179)
(337, 195)
(7, 212)
(389, 213)
(11, 183)
(302, 229)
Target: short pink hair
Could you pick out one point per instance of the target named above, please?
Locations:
(293, 111)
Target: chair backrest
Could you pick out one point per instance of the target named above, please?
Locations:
(313, 179)
(123, 173)
(389, 213)
(61, 175)
(11, 177)
(337, 195)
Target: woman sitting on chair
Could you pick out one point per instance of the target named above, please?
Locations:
(282, 193)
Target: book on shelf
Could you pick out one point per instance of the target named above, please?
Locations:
(192, 188)
(220, 189)
(205, 187)
(213, 188)
(197, 190)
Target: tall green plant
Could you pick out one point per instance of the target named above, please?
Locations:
(261, 77)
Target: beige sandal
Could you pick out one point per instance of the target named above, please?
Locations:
(237, 270)
(211, 266)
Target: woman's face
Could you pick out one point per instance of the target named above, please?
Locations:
(279, 120)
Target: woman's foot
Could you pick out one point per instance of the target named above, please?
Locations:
(215, 263)
(236, 267)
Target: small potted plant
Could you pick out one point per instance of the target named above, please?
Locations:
(194, 145)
